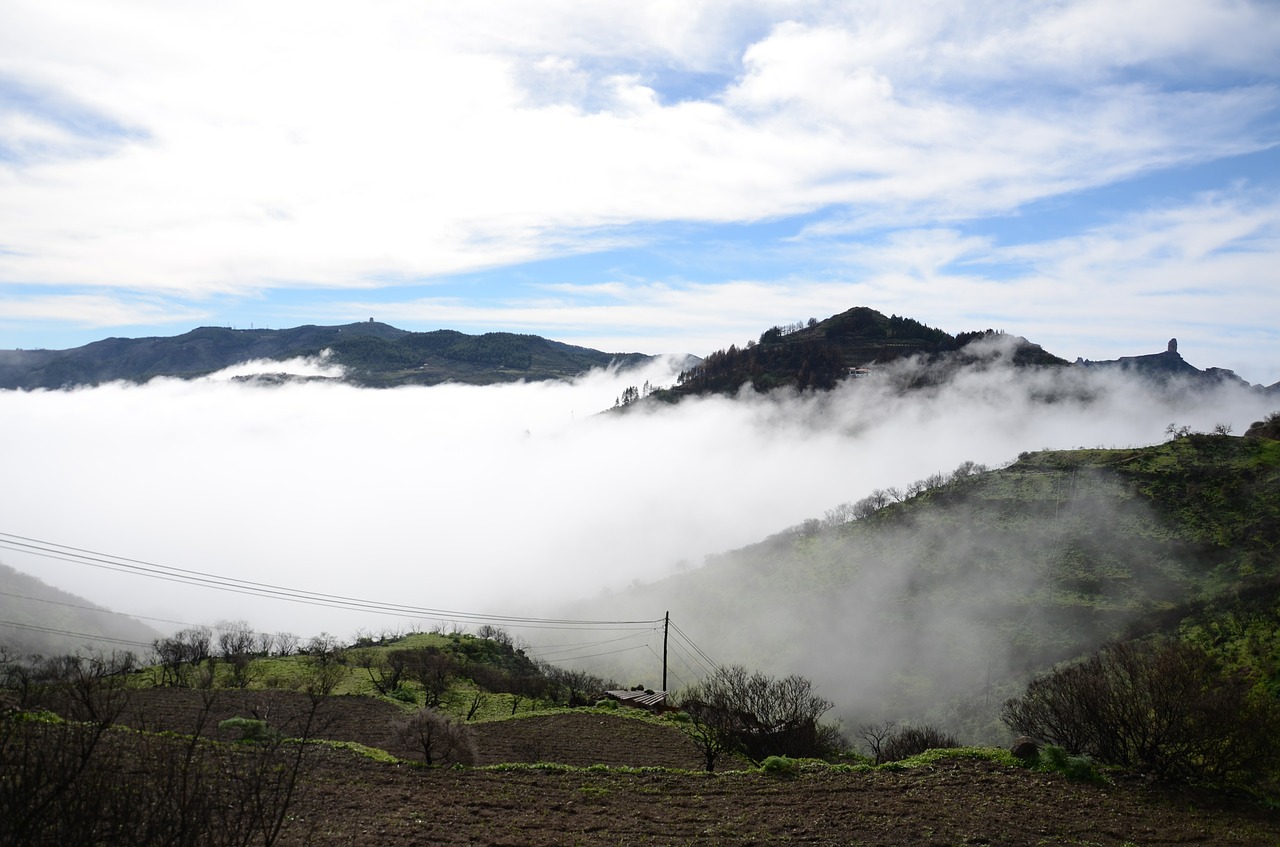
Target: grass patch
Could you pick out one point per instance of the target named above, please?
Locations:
(932, 757)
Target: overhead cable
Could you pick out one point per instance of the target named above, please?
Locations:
(78, 555)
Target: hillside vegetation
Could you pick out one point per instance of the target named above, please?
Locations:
(936, 602)
(820, 354)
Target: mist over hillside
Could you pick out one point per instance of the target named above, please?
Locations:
(503, 499)
(38, 619)
(936, 601)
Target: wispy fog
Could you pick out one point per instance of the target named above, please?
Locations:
(503, 499)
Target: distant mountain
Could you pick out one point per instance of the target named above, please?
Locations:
(38, 618)
(374, 354)
(820, 354)
(1168, 365)
(861, 342)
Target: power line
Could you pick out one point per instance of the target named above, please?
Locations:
(91, 558)
(92, 609)
(711, 662)
(52, 631)
(569, 648)
(685, 657)
(607, 653)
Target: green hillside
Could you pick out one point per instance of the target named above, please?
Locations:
(938, 605)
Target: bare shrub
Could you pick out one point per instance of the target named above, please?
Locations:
(438, 737)
(875, 736)
(1165, 708)
(433, 669)
(912, 741)
(181, 653)
(734, 711)
(85, 782)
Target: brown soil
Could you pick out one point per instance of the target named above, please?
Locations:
(581, 740)
(351, 799)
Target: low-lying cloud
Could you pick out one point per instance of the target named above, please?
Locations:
(504, 499)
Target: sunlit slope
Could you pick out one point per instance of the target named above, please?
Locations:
(937, 599)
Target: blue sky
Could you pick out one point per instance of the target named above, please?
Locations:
(658, 177)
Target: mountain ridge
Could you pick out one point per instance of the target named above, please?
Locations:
(372, 354)
(816, 356)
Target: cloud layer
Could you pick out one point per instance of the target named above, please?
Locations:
(498, 500)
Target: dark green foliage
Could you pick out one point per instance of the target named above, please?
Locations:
(863, 323)
(1079, 768)
(1166, 708)
(819, 354)
(803, 365)
(404, 695)
(1032, 564)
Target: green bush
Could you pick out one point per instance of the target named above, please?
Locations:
(780, 766)
(404, 695)
(606, 704)
(1079, 768)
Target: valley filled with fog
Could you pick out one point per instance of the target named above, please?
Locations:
(500, 500)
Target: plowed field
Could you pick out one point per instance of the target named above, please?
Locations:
(350, 799)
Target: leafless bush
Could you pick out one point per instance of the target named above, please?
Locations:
(438, 737)
(87, 782)
(183, 652)
(875, 736)
(433, 669)
(735, 711)
(1167, 708)
(912, 741)
(386, 668)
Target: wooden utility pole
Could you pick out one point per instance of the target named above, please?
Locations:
(666, 627)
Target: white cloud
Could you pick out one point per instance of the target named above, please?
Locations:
(493, 499)
(94, 310)
(1202, 271)
(329, 144)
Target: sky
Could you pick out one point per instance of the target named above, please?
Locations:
(660, 177)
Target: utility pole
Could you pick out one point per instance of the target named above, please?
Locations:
(666, 627)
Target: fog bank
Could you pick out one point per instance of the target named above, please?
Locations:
(500, 499)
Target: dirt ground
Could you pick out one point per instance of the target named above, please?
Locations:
(351, 799)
